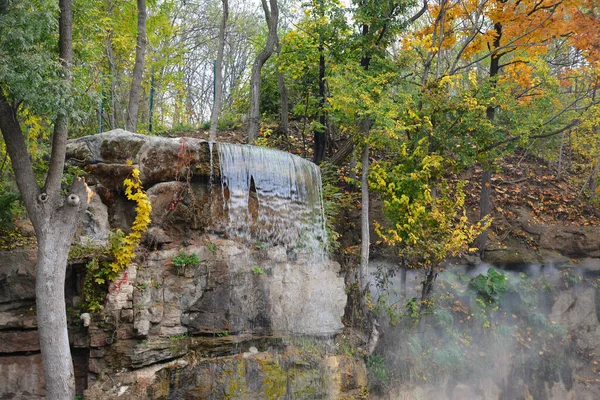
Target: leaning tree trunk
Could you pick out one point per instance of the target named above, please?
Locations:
(214, 118)
(135, 92)
(272, 18)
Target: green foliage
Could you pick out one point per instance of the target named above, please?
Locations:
(413, 308)
(335, 199)
(94, 293)
(30, 68)
(344, 346)
(256, 270)
(183, 336)
(490, 287)
(184, 260)
(571, 277)
(426, 214)
(9, 207)
(377, 370)
(211, 247)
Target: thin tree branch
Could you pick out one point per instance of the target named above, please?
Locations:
(570, 125)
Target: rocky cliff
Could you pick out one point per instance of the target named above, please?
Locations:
(251, 317)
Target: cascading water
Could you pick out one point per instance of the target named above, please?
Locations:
(287, 197)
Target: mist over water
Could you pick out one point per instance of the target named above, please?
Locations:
(517, 344)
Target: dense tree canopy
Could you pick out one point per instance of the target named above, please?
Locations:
(420, 91)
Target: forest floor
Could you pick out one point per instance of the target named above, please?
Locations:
(526, 182)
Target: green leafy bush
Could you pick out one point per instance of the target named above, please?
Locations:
(491, 286)
(8, 209)
(183, 260)
(378, 371)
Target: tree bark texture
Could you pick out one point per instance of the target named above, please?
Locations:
(283, 96)
(135, 92)
(214, 118)
(320, 134)
(428, 287)
(54, 240)
(343, 152)
(112, 115)
(486, 177)
(54, 218)
(61, 124)
(364, 220)
(272, 18)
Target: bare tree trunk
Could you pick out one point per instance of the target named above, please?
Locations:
(54, 219)
(484, 208)
(591, 182)
(343, 152)
(403, 278)
(319, 134)
(364, 219)
(428, 286)
(214, 118)
(560, 153)
(283, 96)
(135, 92)
(113, 74)
(54, 241)
(486, 177)
(272, 18)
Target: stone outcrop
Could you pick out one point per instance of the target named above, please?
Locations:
(554, 243)
(225, 327)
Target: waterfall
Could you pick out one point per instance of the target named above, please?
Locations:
(273, 197)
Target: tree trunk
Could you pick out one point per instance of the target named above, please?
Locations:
(485, 208)
(53, 251)
(319, 134)
(61, 124)
(112, 116)
(272, 18)
(428, 287)
(593, 182)
(486, 177)
(343, 152)
(135, 92)
(283, 96)
(364, 219)
(403, 278)
(54, 219)
(214, 118)
(425, 297)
